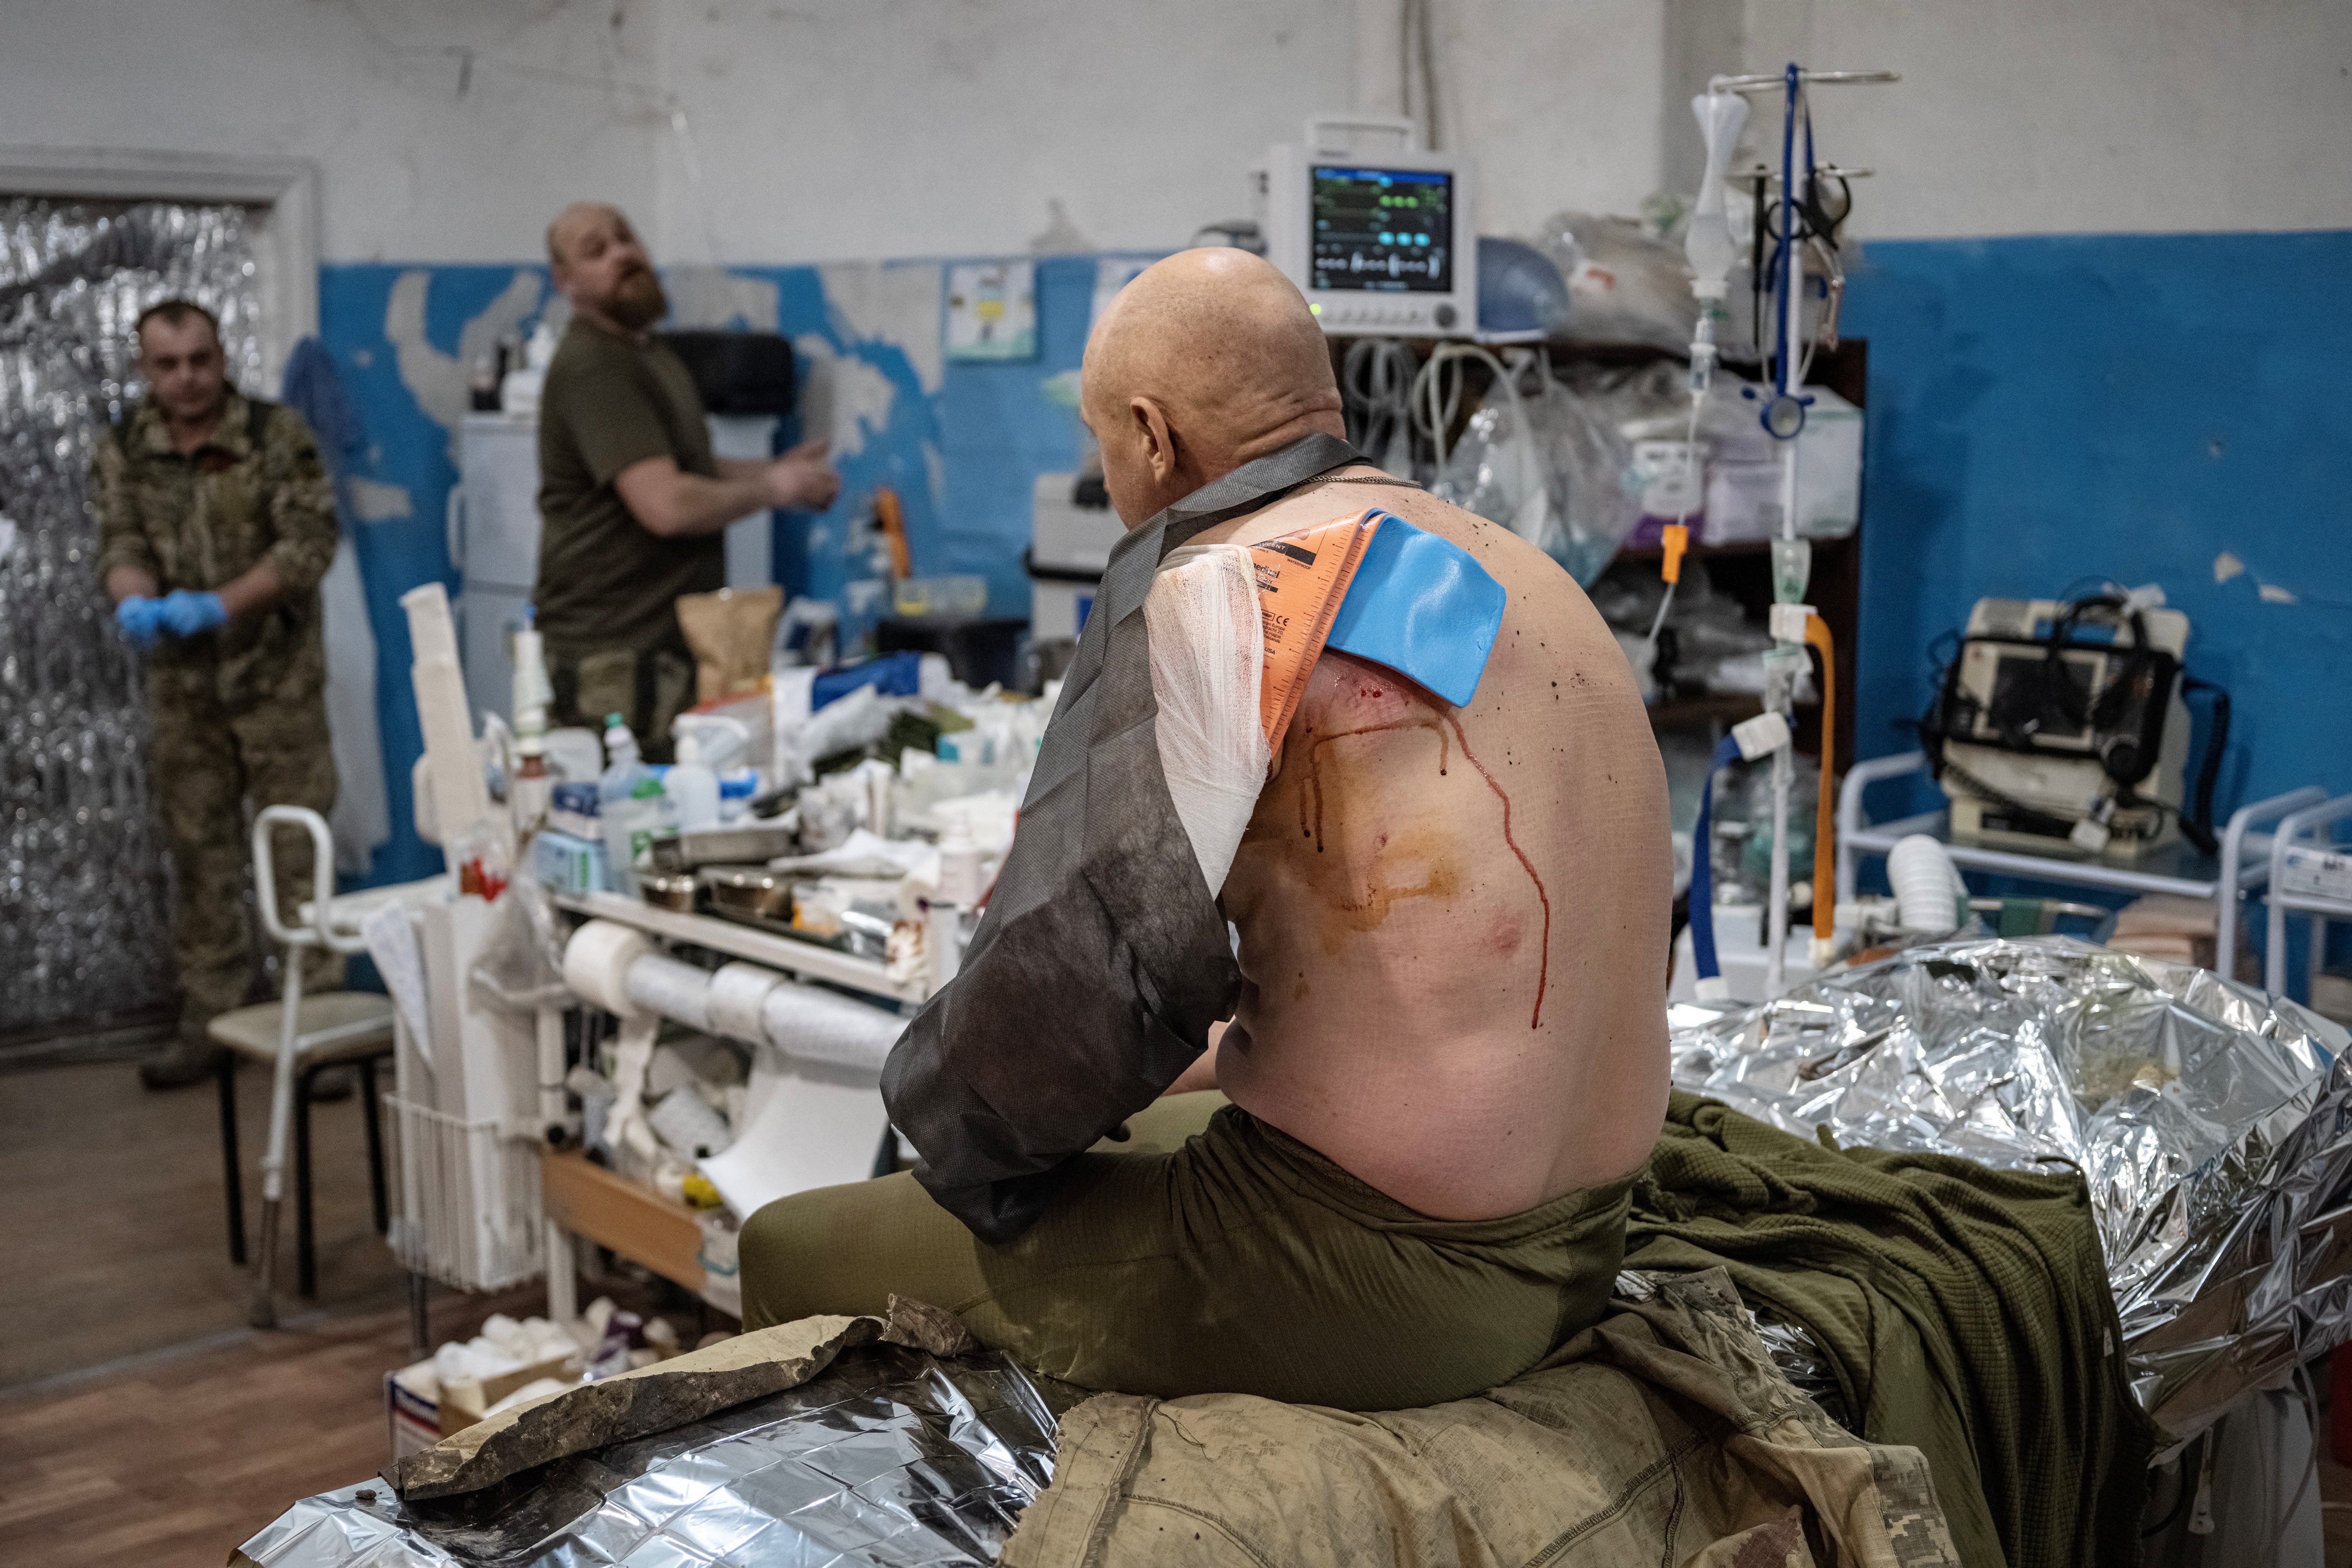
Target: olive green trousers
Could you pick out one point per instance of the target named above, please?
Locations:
(1210, 1252)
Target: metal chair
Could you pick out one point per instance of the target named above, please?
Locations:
(299, 1036)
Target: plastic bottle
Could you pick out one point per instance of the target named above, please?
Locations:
(737, 790)
(529, 790)
(621, 760)
(614, 807)
(959, 863)
(692, 788)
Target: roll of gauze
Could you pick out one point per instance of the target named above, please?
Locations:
(659, 984)
(739, 997)
(596, 965)
(822, 1026)
(685, 1122)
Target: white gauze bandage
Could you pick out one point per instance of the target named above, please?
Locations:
(1208, 658)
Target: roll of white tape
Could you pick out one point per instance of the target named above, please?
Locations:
(596, 964)
(820, 1025)
(659, 984)
(739, 994)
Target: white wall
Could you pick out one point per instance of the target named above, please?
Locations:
(412, 169)
(1559, 102)
(939, 127)
(2030, 117)
(840, 129)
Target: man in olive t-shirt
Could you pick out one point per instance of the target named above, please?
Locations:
(633, 503)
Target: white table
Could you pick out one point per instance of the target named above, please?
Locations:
(2243, 863)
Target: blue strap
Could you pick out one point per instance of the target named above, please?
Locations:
(1424, 607)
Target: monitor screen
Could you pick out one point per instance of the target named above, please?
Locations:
(1390, 230)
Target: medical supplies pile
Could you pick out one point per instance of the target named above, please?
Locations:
(509, 1364)
(2212, 1123)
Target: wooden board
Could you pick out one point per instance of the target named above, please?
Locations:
(612, 1210)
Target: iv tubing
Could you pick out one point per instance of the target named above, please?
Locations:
(1776, 915)
(1817, 635)
(1704, 964)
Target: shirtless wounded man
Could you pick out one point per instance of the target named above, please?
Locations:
(1378, 1155)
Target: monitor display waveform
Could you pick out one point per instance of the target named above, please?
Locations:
(1381, 229)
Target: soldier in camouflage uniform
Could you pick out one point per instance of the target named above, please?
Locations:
(216, 522)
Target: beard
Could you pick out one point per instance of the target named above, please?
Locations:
(637, 301)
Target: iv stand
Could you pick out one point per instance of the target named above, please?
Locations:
(1784, 419)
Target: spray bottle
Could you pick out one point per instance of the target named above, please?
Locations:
(615, 805)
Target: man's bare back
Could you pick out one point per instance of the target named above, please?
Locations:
(1452, 931)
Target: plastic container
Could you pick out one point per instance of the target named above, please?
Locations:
(618, 814)
(737, 790)
(693, 789)
(959, 862)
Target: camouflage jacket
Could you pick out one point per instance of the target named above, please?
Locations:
(199, 520)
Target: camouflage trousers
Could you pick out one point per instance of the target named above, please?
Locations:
(647, 689)
(208, 762)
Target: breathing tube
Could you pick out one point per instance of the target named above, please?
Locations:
(1749, 740)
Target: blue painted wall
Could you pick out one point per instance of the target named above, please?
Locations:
(2047, 409)
(988, 427)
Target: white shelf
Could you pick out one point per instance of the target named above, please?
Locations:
(804, 958)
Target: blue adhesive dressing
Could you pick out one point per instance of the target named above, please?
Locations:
(1424, 607)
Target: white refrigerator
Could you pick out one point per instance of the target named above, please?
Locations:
(493, 527)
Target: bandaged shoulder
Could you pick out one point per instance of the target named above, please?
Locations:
(1235, 631)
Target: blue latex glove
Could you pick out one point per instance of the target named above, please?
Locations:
(185, 613)
(141, 620)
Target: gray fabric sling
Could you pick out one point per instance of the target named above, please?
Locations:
(1103, 958)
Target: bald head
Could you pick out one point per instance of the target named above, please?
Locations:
(600, 263)
(1206, 360)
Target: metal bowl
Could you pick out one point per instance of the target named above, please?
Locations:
(668, 889)
(750, 893)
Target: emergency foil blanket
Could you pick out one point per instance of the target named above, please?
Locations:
(81, 874)
(2213, 1124)
(889, 1455)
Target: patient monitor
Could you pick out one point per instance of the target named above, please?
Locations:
(1378, 233)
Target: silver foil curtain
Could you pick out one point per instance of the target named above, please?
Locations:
(83, 917)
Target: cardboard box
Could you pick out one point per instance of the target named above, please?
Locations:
(421, 1410)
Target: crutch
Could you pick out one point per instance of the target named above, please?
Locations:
(296, 940)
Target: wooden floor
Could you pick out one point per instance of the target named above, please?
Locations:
(141, 1421)
(171, 1464)
(116, 1230)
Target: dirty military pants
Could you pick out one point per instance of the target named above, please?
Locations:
(1210, 1252)
(210, 757)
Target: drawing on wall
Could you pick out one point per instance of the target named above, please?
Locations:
(991, 310)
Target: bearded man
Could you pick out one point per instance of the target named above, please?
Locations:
(633, 503)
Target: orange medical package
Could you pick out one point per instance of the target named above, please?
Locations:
(1302, 576)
